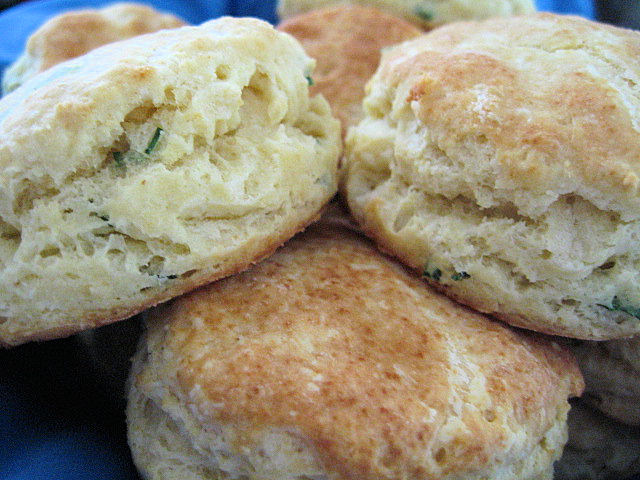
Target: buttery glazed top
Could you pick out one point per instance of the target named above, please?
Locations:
(556, 97)
(378, 374)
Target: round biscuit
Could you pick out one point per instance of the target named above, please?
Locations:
(77, 32)
(153, 165)
(345, 41)
(330, 361)
(501, 159)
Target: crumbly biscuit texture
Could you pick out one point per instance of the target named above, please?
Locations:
(598, 448)
(342, 366)
(151, 166)
(346, 41)
(612, 375)
(426, 13)
(500, 158)
(77, 32)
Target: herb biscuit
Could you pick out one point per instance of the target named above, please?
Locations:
(345, 41)
(342, 366)
(502, 160)
(426, 13)
(153, 165)
(75, 33)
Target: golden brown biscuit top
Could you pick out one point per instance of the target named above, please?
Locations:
(74, 33)
(382, 376)
(346, 41)
(556, 97)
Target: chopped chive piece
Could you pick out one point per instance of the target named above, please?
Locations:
(164, 277)
(309, 80)
(119, 158)
(133, 156)
(460, 276)
(431, 272)
(424, 14)
(616, 305)
(104, 218)
(154, 141)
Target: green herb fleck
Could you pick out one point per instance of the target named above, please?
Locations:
(119, 158)
(460, 276)
(163, 278)
(617, 305)
(132, 156)
(104, 217)
(309, 80)
(434, 273)
(154, 141)
(424, 14)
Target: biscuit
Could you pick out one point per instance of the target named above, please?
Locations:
(328, 360)
(75, 33)
(346, 40)
(598, 448)
(500, 158)
(425, 13)
(153, 165)
(612, 375)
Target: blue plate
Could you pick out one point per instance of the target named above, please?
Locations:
(62, 415)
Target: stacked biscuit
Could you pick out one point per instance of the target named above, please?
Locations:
(75, 33)
(497, 159)
(487, 160)
(179, 158)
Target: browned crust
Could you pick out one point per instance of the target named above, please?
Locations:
(366, 357)
(550, 118)
(346, 41)
(75, 33)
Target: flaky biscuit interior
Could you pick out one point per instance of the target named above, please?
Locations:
(150, 166)
(500, 159)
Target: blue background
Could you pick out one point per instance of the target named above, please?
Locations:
(62, 415)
